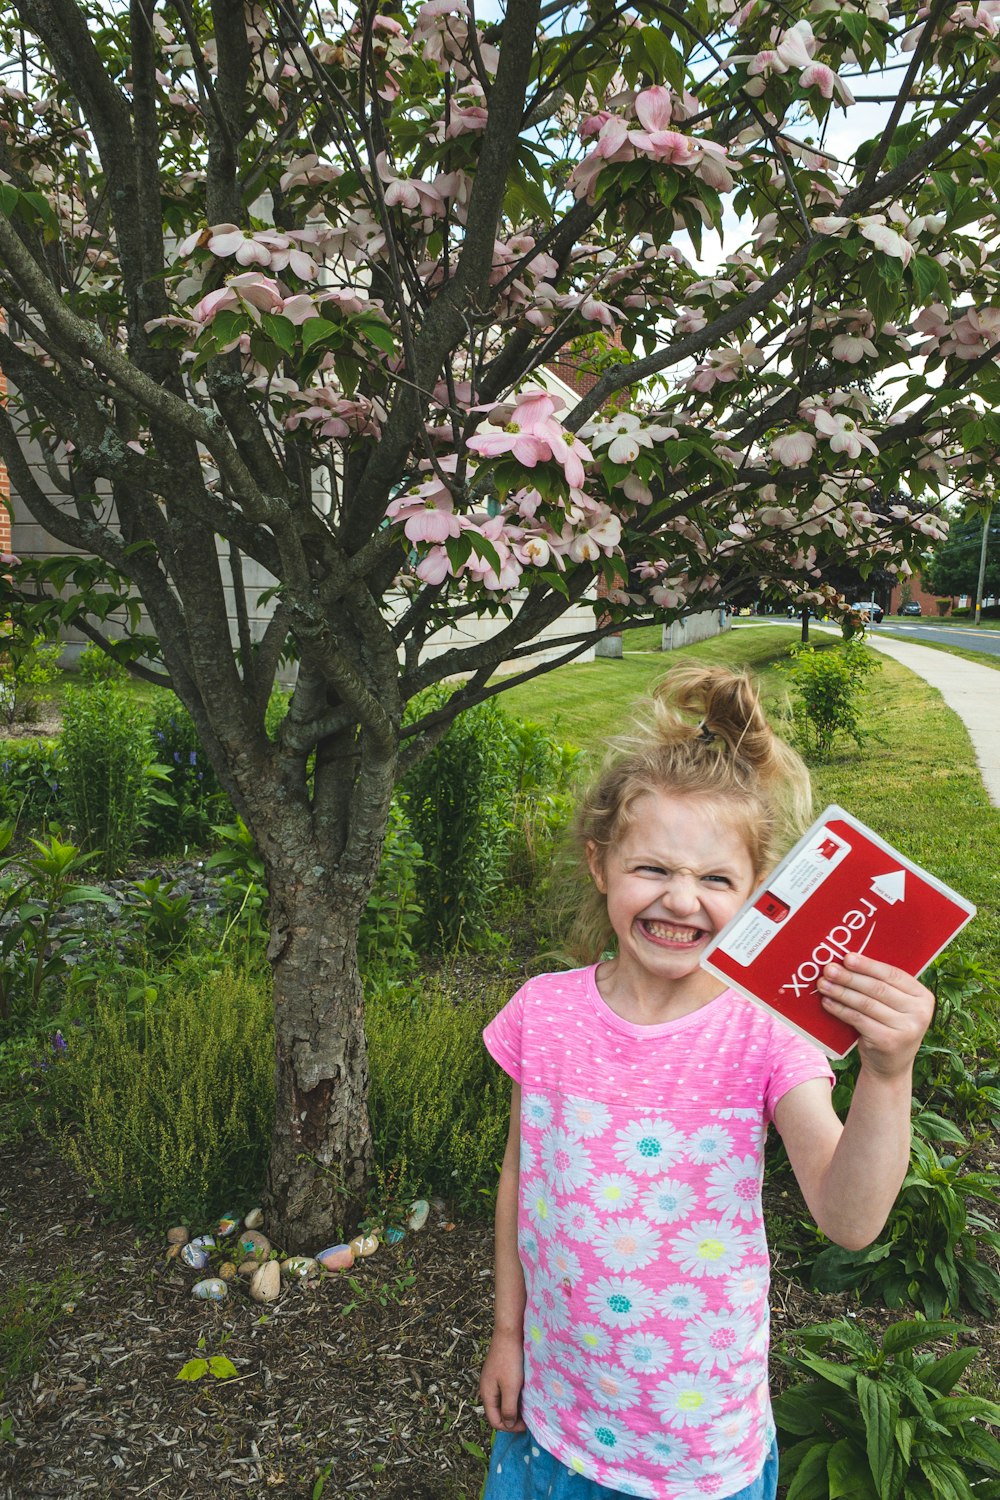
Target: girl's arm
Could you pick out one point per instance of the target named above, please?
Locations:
(503, 1371)
(850, 1174)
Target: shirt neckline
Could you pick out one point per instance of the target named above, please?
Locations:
(615, 1022)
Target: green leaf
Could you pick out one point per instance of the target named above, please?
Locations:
(945, 1477)
(221, 1367)
(908, 1334)
(943, 1373)
(319, 330)
(9, 197)
(798, 1413)
(279, 330)
(930, 281)
(474, 1450)
(193, 1370)
(846, 1473)
(879, 1413)
(376, 332)
(810, 1481)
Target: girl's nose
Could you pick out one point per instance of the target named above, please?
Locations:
(682, 895)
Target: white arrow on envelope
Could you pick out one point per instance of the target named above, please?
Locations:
(890, 887)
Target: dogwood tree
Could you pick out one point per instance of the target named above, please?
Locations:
(282, 282)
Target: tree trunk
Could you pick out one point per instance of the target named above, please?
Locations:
(321, 1156)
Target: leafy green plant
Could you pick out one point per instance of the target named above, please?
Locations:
(34, 889)
(196, 798)
(95, 665)
(930, 1254)
(437, 1108)
(541, 805)
(165, 1106)
(162, 913)
(29, 782)
(459, 799)
(827, 688)
(105, 759)
(884, 1421)
(217, 1365)
(392, 916)
(243, 885)
(29, 670)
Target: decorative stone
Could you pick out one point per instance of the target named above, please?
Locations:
(226, 1225)
(192, 1255)
(254, 1219)
(298, 1267)
(336, 1258)
(265, 1283)
(247, 1267)
(212, 1289)
(419, 1214)
(252, 1242)
(227, 1270)
(204, 1241)
(393, 1235)
(364, 1245)
(177, 1236)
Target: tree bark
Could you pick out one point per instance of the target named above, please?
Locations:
(321, 1154)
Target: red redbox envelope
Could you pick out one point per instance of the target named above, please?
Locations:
(841, 890)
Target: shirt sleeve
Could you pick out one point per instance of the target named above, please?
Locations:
(503, 1036)
(793, 1060)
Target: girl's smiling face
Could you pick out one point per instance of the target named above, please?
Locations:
(673, 880)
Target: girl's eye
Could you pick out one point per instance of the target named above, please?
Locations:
(718, 880)
(653, 870)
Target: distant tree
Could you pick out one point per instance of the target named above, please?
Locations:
(954, 566)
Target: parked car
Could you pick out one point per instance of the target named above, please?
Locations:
(913, 608)
(871, 609)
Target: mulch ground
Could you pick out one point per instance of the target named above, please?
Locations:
(363, 1385)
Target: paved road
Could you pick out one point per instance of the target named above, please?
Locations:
(969, 636)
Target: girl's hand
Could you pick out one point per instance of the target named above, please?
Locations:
(890, 1010)
(501, 1381)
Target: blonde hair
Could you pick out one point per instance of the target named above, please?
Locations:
(705, 736)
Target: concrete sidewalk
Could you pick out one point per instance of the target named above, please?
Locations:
(972, 691)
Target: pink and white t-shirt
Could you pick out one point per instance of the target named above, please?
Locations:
(641, 1233)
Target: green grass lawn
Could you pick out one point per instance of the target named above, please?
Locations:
(915, 781)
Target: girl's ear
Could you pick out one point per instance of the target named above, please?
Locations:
(596, 863)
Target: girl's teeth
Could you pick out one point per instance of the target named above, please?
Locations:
(673, 934)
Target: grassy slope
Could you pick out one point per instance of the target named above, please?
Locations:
(916, 783)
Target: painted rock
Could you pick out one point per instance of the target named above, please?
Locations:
(204, 1241)
(298, 1267)
(177, 1236)
(265, 1283)
(364, 1244)
(254, 1219)
(393, 1235)
(419, 1213)
(192, 1255)
(227, 1270)
(336, 1258)
(226, 1225)
(212, 1289)
(252, 1242)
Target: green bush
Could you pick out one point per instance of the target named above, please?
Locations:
(932, 1254)
(95, 665)
(439, 1108)
(459, 799)
(827, 688)
(165, 1100)
(884, 1422)
(29, 669)
(105, 752)
(195, 799)
(392, 917)
(29, 782)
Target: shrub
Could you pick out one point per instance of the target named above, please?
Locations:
(827, 687)
(165, 1101)
(95, 665)
(930, 1255)
(29, 782)
(439, 1109)
(105, 752)
(195, 799)
(393, 914)
(29, 668)
(543, 772)
(884, 1422)
(459, 799)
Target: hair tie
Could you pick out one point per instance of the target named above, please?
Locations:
(705, 734)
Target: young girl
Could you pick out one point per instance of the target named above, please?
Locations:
(629, 1354)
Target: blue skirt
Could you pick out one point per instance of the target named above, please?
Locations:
(520, 1469)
